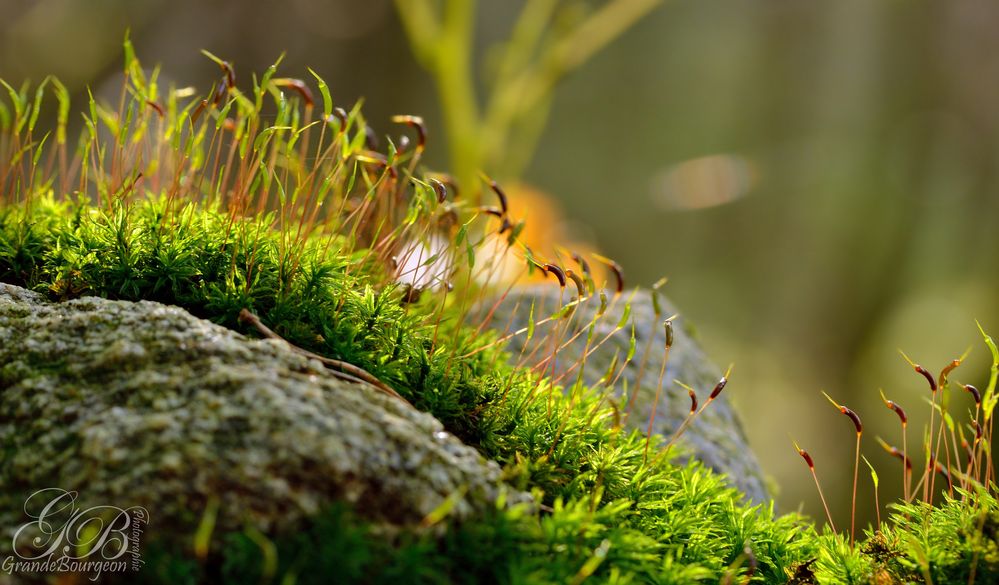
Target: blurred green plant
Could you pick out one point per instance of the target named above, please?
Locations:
(550, 39)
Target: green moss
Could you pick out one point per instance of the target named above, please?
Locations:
(592, 475)
(318, 271)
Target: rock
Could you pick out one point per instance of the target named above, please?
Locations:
(142, 404)
(716, 437)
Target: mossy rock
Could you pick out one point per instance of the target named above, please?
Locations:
(142, 404)
(715, 437)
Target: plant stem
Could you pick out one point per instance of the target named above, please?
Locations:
(659, 388)
(853, 506)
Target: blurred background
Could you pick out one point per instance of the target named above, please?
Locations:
(818, 179)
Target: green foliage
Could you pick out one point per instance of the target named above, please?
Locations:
(602, 494)
(233, 214)
(946, 543)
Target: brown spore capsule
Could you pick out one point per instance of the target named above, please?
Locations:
(440, 189)
(921, 371)
(580, 285)
(804, 455)
(220, 92)
(559, 274)
(196, 114)
(847, 412)
(416, 123)
(940, 469)
(892, 405)
(616, 269)
(299, 87)
(853, 416)
(230, 74)
(718, 388)
(895, 452)
(693, 400)
(450, 182)
(410, 294)
(668, 328)
(583, 264)
(929, 377)
(901, 413)
(974, 394)
(157, 107)
(947, 370)
(341, 116)
(500, 195)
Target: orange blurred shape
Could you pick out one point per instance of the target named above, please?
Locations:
(546, 232)
(704, 182)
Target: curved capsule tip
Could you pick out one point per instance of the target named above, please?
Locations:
(804, 455)
(559, 274)
(894, 407)
(974, 393)
(580, 285)
(415, 122)
(440, 189)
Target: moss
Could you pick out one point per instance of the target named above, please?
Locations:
(300, 223)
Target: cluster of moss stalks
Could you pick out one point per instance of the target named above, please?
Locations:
(273, 201)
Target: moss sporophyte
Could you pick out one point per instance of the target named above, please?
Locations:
(271, 212)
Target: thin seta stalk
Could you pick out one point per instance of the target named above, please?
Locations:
(856, 463)
(945, 418)
(904, 420)
(647, 351)
(976, 395)
(928, 446)
(668, 328)
(811, 467)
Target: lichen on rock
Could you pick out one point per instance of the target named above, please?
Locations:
(143, 404)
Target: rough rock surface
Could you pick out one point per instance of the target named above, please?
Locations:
(142, 404)
(716, 437)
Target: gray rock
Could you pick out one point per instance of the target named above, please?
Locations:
(142, 404)
(716, 436)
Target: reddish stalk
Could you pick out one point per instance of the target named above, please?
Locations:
(977, 396)
(942, 385)
(811, 467)
(927, 487)
(906, 476)
(856, 463)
